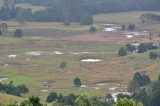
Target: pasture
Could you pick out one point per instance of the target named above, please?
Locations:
(122, 17)
(4, 98)
(46, 45)
(29, 6)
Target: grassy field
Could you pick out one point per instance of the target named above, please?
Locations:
(27, 6)
(45, 38)
(121, 18)
(4, 98)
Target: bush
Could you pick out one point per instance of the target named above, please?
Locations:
(122, 52)
(22, 89)
(13, 90)
(77, 82)
(131, 27)
(92, 29)
(63, 65)
(130, 48)
(150, 46)
(128, 102)
(52, 97)
(35, 101)
(141, 79)
(133, 86)
(153, 55)
(142, 48)
(18, 33)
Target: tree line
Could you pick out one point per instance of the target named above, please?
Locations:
(61, 12)
(74, 10)
(80, 100)
(150, 18)
(100, 6)
(145, 90)
(11, 89)
(143, 47)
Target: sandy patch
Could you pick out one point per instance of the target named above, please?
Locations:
(3, 79)
(56, 52)
(101, 84)
(83, 86)
(114, 95)
(34, 53)
(97, 88)
(129, 36)
(12, 56)
(91, 60)
(45, 90)
(109, 29)
(112, 89)
(6, 65)
(135, 44)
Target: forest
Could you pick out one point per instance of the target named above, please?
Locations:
(74, 10)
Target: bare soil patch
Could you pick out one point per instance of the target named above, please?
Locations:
(114, 37)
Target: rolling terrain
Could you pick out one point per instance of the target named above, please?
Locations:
(45, 46)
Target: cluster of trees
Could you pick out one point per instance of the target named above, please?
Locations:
(123, 51)
(150, 18)
(128, 27)
(4, 29)
(128, 102)
(60, 11)
(78, 100)
(153, 55)
(13, 90)
(32, 101)
(74, 10)
(139, 80)
(81, 100)
(144, 90)
(101, 6)
(143, 47)
(93, 29)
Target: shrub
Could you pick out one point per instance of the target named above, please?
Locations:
(153, 55)
(133, 86)
(130, 48)
(141, 79)
(52, 97)
(18, 33)
(92, 29)
(131, 27)
(142, 48)
(77, 82)
(122, 52)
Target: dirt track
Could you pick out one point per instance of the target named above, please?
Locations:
(114, 37)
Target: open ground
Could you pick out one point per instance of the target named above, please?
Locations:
(34, 60)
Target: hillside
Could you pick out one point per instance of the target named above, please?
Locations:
(6, 99)
(122, 17)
